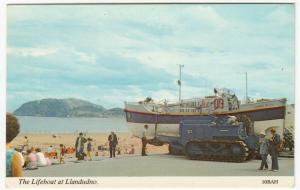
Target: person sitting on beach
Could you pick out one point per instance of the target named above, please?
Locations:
(118, 151)
(105, 146)
(31, 160)
(52, 154)
(48, 159)
(50, 149)
(89, 148)
(13, 159)
(41, 160)
(132, 150)
(62, 150)
(68, 150)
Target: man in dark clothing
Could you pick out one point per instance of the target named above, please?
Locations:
(274, 143)
(113, 141)
(144, 141)
(79, 145)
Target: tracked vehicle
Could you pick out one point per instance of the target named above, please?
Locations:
(220, 139)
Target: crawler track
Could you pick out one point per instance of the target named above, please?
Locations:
(224, 151)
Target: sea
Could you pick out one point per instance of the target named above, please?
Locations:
(44, 125)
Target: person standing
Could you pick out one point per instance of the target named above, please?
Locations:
(89, 149)
(263, 151)
(144, 140)
(274, 143)
(26, 143)
(113, 141)
(13, 159)
(79, 145)
(62, 151)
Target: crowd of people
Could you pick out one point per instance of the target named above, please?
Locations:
(84, 147)
(31, 158)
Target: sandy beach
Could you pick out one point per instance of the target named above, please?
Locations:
(126, 140)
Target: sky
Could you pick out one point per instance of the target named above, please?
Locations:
(108, 54)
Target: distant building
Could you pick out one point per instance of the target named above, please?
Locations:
(290, 118)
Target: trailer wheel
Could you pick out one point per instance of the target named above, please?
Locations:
(175, 150)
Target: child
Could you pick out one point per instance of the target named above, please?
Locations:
(62, 154)
(263, 150)
(89, 148)
(132, 151)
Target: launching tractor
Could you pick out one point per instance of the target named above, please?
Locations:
(227, 139)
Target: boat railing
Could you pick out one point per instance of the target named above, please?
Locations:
(264, 103)
(267, 100)
(163, 107)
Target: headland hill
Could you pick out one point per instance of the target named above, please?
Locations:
(69, 107)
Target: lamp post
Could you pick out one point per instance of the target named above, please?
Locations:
(246, 88)
(179, 81)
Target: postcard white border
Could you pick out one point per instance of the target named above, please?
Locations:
(147, 182)
(144, 1)
(163, 182)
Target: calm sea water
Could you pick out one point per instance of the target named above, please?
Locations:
(70, 125)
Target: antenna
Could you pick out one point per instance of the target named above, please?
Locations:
(179, 81)
(246, 89)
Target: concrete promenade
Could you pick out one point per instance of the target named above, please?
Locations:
(159, 165)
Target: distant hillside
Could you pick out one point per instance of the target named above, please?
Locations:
(114, 112)
(70, 107)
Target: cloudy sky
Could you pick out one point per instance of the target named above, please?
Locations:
(109, 54)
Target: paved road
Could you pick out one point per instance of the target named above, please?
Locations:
(159, 165)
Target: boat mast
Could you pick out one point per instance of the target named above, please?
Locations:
(179, 81)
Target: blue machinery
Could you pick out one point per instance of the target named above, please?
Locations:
(218, 139)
